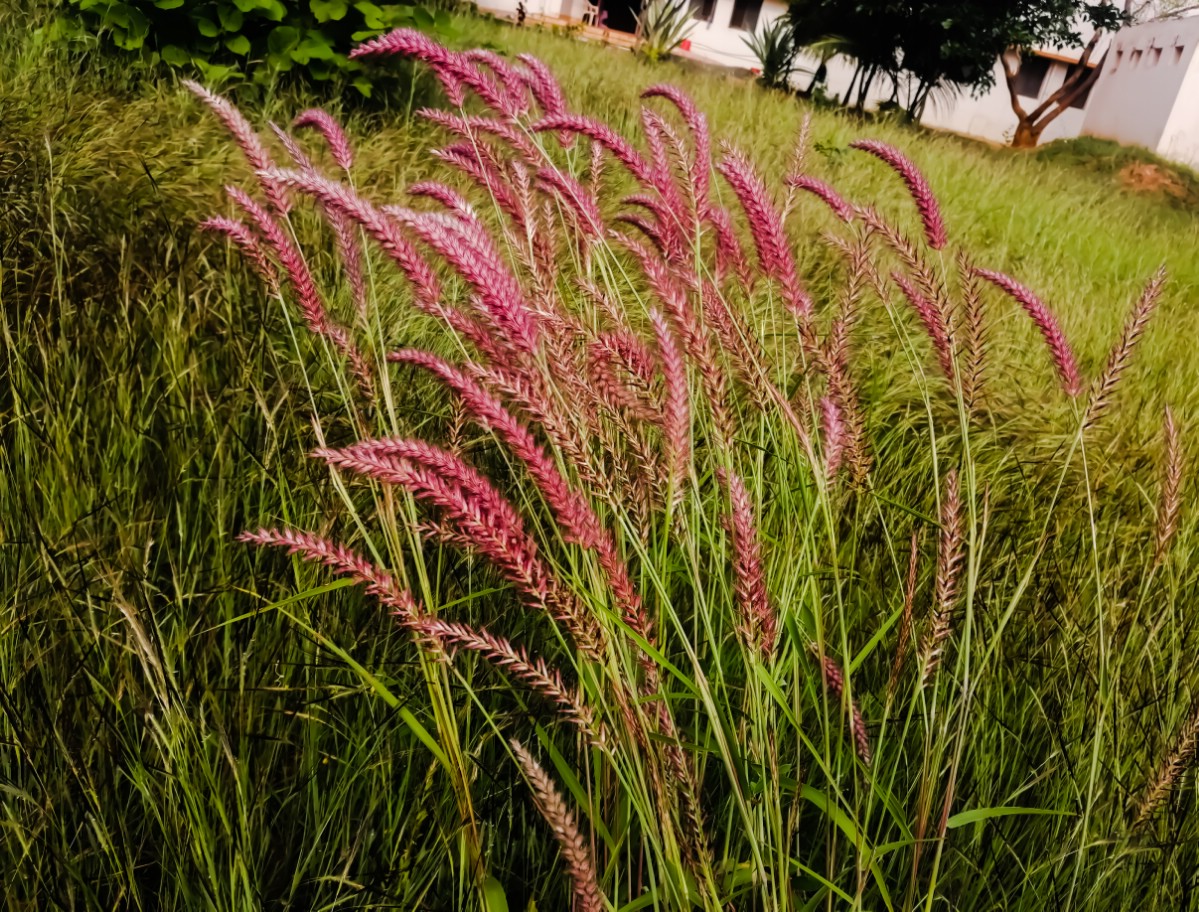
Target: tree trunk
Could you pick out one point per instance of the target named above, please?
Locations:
(916, 102)
(867, 82)
(1027, 134)
(1030, 125)
(852, 82)
(820, 76)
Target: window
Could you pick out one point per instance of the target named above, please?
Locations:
(1119, 59)
(1031, 76)
(745, 14)
(1135, 57)
(703, 10)
(1155, 56)
(1081, 100)
(1178, 53)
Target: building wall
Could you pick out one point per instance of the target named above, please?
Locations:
(717, 42)
(1147, 77)
(1180, 140)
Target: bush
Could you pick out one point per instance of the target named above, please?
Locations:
(261, 38)
(792, 603)
(662, 25)
(775, 49)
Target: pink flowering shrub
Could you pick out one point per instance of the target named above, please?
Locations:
(677, 491)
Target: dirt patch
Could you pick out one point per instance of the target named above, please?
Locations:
(1146, 177)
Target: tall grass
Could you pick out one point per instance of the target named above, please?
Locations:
(187, 725)
(679, 539)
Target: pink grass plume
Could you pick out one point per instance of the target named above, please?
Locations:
(247, 242)
(348, 242)
(1059, 349)
(578, 199)
(533, 673)
(543, 84)
(834, 435)
(574, 514)
(1169, 505)
(511, 79)
(484, 168)
(766, 226)
(455, 70)
(299, 158)
(922, 194)
(339, 197)
(308, 297)
(950, 555)
(834, 677)
(379, 584)
(933, 321)
(339, 143)
(1121, 354)
(446, 195)
(477, 517)
(575, 852)
(466, 246)
(405, 43)
(471, 126)
(701, 139)
(676, 415)
(600, 132)
(247, 140)
(730, 255)
(749, 578)
(825, 192)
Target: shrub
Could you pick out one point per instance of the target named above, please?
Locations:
(775, 49)
(792, 608)
(663, 25)
(227, 38)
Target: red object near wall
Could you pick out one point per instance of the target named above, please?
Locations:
(685, 45)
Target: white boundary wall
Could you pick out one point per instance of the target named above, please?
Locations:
(1148, 93)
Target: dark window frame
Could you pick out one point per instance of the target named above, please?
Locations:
(1030, 78)
(703, 10)
(745, 15)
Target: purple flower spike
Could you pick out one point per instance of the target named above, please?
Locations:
(922, 194)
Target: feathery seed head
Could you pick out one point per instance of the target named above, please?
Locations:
(339, 143)
(922, 194)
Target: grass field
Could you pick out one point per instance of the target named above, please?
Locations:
(188, 723)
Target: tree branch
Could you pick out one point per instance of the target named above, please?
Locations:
(1179, 12)
(1009, 76)
(1073, 86)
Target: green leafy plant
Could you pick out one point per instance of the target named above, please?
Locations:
(775, 50)
(662, 26)
(229, 39)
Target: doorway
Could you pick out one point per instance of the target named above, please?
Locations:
(620, 15)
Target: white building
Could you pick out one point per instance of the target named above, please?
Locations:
(718, 36)
(1147, 93)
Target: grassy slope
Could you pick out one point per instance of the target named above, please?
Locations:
(155, 753)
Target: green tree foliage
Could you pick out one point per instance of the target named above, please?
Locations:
(255, 38)
(927, 44)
